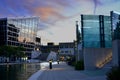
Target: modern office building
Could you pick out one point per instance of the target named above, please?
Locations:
(96, 31)
(19, 32)
(96, 40)
(115, 20)
(66, 49)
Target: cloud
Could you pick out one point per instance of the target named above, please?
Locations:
(47, 12)
(107, 8)
(98, 3)
(53, 7)
(51, 12)
(65, 3)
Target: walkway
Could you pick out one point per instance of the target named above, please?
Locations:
(64, 72)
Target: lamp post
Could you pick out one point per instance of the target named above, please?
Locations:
(58, 57)
(75, 49)
(78, 38)
(50, 64)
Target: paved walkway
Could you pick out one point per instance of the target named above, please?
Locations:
(64, 72)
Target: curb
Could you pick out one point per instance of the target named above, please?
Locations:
(36, 75)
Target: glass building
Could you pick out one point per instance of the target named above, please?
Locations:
(115, 20)
(19, 32)
(96, 31)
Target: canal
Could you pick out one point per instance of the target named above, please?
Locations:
(18, 71)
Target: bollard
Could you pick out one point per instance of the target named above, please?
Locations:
(50, 64)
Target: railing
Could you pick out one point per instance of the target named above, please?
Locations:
(105, 61)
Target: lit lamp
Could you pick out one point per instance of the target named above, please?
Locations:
(26, 58)
(37, 49)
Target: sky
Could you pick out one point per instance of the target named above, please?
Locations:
(57, 17)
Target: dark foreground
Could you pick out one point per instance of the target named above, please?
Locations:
(18, 71)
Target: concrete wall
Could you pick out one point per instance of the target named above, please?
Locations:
(116, 52)
(94, 56)
(80, 55)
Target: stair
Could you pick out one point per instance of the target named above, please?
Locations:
(108, 65)
(107, 61)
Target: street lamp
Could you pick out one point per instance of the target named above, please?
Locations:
(76, 50)
(37, 49)
(58, 56)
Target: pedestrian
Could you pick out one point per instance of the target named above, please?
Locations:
(50, 64)
(58, 61)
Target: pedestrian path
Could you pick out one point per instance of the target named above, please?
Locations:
(64, 72)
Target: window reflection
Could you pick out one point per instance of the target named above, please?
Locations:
(96, 30)
(115, 17)
(27, 28)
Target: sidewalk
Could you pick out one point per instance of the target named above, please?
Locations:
(64, 72)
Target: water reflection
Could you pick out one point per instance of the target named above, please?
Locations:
(18, 71)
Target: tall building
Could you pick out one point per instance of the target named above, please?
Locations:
(96, 31)
(19, 32)
(115, 20)
(96, 40)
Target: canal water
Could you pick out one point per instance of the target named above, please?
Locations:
(18, 71)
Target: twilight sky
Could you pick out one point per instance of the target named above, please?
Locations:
(57, 17)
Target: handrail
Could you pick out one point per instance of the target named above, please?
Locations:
(106, 60)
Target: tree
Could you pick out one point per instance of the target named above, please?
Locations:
(19, 52)
(6, 51)
(11, 51)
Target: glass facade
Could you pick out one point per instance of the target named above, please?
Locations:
(25, 29)
(107, 31)
(3, 31)
(19, 32)
(115, 19)
(96, 31)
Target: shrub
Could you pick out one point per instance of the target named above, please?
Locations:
(71, 61)
(114, 74)
(79, 65)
